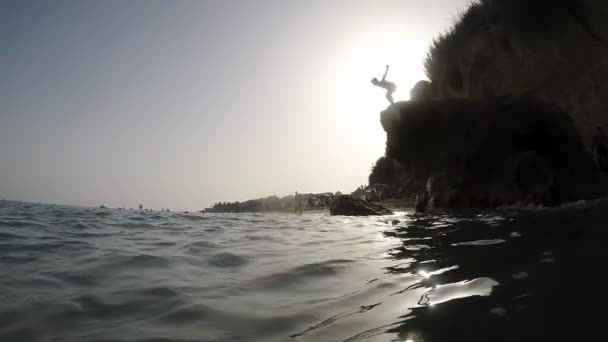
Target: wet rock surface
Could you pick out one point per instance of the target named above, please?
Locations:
(350, 206)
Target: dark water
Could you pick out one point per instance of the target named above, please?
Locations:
(78, 274)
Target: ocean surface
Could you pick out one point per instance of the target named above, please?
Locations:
(87, 274)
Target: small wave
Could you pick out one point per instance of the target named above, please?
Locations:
(194, 217)
(334, 318)
(21, 223)
(114, 263)
(84, 279)
(34, 283)
(63, 245)
(227, 260)
(154, 291)
(213, 229)
(202, 244)
(199, 247)
(251, 237)
(96, 307)
(81, 305)
(71, 223)
(83, 234)
(18, 259)
(194, 291)
(480, 242)
(146, 260)
(302, 273)
(188, 314)
(132, 224)
(156, 244)
(10, 236)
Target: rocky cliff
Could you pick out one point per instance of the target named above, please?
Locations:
(555, 50)
(489, 152)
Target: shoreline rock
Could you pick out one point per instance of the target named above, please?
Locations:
(350, 206)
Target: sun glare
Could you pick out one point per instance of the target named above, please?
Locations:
(358, 102)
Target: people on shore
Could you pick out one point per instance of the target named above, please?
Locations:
(297, 204)
(389, 86)
(600, 149)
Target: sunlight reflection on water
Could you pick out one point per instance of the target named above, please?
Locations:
(467, 288)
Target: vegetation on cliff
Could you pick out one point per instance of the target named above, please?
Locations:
(556, 50)
(383, 171)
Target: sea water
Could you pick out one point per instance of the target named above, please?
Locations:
(88, 274)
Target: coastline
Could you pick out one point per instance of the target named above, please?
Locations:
(399, 204)
(395, 204)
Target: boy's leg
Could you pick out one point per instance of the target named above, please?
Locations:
(389, 97)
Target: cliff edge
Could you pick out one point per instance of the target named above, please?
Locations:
(489, 152)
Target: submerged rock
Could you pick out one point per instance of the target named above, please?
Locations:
(490, 152)
(350, 206)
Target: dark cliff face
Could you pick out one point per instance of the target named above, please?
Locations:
(555, 50)
(489, 152)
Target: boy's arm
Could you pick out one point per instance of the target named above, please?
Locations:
(385, 73)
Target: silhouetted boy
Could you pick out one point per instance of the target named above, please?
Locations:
(389, 86)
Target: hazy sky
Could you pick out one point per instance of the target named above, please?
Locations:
(179, 104)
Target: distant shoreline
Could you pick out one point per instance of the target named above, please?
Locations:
(390, 203)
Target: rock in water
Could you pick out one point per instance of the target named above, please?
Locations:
(350, 206)
(489, 152)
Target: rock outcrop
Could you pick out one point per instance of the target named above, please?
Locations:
(350, 206)
(422, 90)
(556, 50)
(490, 152)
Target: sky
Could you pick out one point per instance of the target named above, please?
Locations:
(181, 104)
